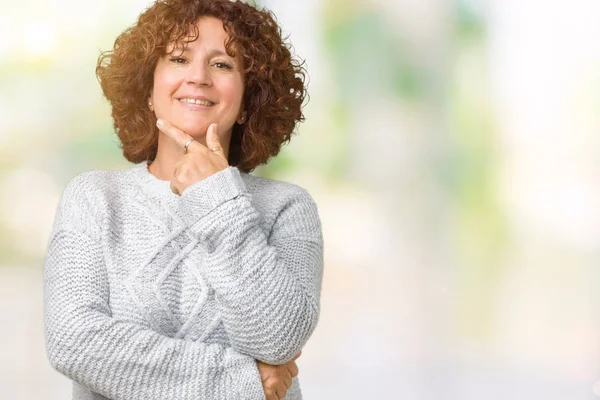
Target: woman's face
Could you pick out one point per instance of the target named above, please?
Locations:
(201, 85)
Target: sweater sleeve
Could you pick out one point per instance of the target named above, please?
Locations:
(118, 359)
(267, 286)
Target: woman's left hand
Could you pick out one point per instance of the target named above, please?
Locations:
(199, 162)
(277, 379)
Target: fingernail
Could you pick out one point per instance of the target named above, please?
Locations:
(160, 122)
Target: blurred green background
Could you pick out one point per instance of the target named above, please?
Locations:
(453, 151)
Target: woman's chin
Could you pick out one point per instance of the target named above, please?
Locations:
(196, 134)
(195, 130)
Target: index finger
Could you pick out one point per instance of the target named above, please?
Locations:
(179, 136)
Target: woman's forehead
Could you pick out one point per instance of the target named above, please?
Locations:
(206, 30)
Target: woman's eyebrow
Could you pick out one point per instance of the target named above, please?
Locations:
(190, 47)
(217, 52)
(178, 49)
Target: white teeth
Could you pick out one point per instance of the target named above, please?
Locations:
(196, 101)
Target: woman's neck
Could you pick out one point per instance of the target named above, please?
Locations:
(169, 154)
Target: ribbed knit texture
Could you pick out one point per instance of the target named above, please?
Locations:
(149, 295)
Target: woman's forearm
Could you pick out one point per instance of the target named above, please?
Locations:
(123, 360)
(267, 287)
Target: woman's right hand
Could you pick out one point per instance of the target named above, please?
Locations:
(277, 379)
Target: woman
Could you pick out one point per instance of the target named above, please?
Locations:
(183, 276)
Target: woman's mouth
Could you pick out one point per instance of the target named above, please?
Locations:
(205, 103)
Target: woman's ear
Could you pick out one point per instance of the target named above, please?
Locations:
(242, 117)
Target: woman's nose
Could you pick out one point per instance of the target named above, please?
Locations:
(199, 74)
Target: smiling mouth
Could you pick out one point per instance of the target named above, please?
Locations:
(205, 103)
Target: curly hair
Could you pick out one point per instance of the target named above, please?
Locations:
(274, 89)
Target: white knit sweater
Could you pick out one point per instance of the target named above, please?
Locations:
(149, 295)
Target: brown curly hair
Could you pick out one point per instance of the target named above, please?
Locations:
(274, 89)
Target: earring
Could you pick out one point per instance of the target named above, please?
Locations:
(242, 119)
(150, 105)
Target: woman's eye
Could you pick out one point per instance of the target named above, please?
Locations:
(178, 60)
(222, 65)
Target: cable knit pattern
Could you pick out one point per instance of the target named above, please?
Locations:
(150, 295)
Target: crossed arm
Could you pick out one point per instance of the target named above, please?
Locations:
(266, 287)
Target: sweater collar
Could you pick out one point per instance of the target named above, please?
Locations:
(150, 183)
(158, 188)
